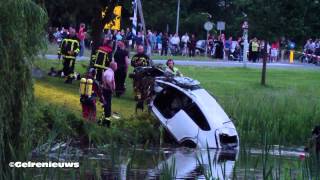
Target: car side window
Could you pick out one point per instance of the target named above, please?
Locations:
(197, 116)
(170, 101)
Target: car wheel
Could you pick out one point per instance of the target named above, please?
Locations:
(189, 144)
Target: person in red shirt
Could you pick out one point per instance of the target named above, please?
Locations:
(81, 36)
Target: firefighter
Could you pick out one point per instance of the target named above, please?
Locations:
(171, 69)
(69, 50)
(89, 92)
(101, 60)
(139, 60)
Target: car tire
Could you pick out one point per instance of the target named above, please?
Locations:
(189, 144)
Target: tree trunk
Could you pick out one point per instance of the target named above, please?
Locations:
(264, 65)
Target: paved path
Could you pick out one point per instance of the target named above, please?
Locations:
(220, 63)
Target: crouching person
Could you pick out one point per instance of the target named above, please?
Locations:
(108, 87)
(89, 92)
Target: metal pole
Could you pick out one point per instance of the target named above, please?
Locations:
(207, 44)
(134, 19)
(141, 16)
(178, 17)
(245, 47)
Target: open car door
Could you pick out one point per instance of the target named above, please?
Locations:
(182, 127)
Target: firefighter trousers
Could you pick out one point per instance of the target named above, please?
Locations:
(68, 66)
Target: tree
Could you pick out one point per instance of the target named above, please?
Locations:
(21, 36)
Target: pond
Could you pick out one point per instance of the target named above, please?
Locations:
(108, 162)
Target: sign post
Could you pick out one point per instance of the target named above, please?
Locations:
(245, 27)
(221, 26)
(208, 26)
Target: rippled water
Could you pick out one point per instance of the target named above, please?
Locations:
(179, 163)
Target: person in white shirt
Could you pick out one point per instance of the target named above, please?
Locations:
(108, 87)
(175, 41)
(185, 39)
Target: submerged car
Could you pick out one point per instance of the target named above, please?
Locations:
(189, 113)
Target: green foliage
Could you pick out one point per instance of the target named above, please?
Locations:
(268, 19)
(21, 36)
(64, 124)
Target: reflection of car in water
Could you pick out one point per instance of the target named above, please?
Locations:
(190, 114)
(195, 164)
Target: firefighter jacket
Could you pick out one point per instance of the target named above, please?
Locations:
(69, 47)
(102, 58)
(140, 60)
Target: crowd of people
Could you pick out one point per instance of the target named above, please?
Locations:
(312, 51)
(165, 44)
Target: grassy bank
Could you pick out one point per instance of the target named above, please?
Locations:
(283, 112)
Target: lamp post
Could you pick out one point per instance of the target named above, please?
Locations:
(178, 17)
(245, 27)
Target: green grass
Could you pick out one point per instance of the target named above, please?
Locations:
(283, 112)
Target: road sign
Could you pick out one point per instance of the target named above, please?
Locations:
(221, 25)
(208, 26)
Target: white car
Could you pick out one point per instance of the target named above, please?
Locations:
(191, 115)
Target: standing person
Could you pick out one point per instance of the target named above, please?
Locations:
(219, 48)
(139, 39)
(192, 45)
(159, 43)
(81, 37)
(102, 58)
(283, 47)
(165, 43)
(154, 41)
(227, 48)
(129, 37)
(89, 92)
(108, 87)
(185, 39)
(149, 43)
(274, 52)
(254, 49)
(139, 60)
(175, 42)
(69, 50)
(121, 57)
(64, 32)
(57, 36)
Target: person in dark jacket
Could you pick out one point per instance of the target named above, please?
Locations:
(192, 45)
(139, 60)
(121, 57)
(69, 50)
